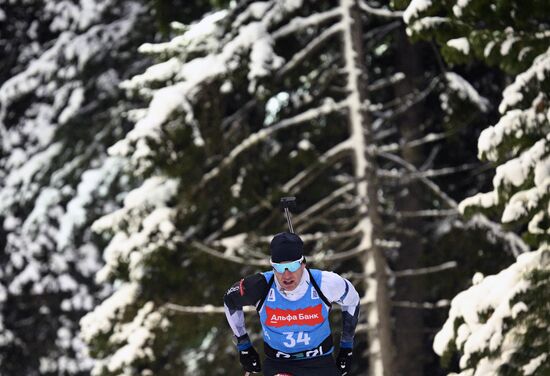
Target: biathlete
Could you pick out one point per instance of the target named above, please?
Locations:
(293, 302)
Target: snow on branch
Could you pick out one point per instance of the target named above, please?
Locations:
(427, 213)
(517, 245)
(424, 305)
(431, 137)
(340, 256)
(478, 322)
(406, 178)
(443, 171)
(312, 46)
(300, 23)
(430, 184)
(382, 12)
(264, 134)
(386, 81)
(322, 204)
(398, 106)
(515, 93)
(205, 309)
(239, 260)
(426, 270)
(330, 156)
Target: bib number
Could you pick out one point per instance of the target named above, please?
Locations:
(294, 338)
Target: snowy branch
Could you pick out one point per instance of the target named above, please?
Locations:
(426, 213)
(321, 205)
(380, 11)
(386, 81)
(422, 271)
(430, 184)
(337, 256)
(310, 48)
(431, 137)
(398, 106)
(443, 171)
(235, 259)
(205, 309)
(515, 242)
(517, 245)
(300, 23)
(416, 305)
(329, 157)
(405, 178)
(263, 134)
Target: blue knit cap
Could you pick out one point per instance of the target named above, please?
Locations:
(286, 247)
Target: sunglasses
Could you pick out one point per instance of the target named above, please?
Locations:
(291, 266)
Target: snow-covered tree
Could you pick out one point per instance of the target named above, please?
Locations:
(506, 334)
(60, 109)
(258, 101)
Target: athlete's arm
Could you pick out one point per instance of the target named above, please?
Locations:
(340, 291)
(248, 291)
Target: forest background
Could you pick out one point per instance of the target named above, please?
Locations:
(145, 146)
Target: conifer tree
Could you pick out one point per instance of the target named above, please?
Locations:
(59, 110)
(248, 104)
(500, 325)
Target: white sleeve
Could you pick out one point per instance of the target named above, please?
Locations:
(340, 291)
(235, 318)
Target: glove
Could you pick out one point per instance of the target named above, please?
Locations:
(343, 360)
(250, 360)
(248, 356)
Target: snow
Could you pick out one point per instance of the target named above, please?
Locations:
(192, 357)
(531, 367)
(73, 105)
(274, 105)
(507, 45)
(483, 200)
(516, 171)
(19, 181)
(252, 39)
(102, 319)
(138, 336)
(522, 202)
(491, 295)
(488, 48)
(45, 194)
(514, 93)
(232, 244)
(135, 242)
(458, 8)
(515, 124)
(460, 44)
(93, 183)
(466, 91)
(415, 8)
(425, 23)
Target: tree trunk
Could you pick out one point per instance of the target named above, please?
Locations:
(376, 290)
(409, 322)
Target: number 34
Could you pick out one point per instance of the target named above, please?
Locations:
(301, 337)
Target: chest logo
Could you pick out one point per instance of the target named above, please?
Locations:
(314, 294)
(271, 296)
(310, 316)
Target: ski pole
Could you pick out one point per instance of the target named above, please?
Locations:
(286, 204)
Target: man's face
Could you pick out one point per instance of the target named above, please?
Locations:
(289, 280)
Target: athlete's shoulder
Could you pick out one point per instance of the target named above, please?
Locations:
(255, 286)
(333, 285)
(331, 277)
